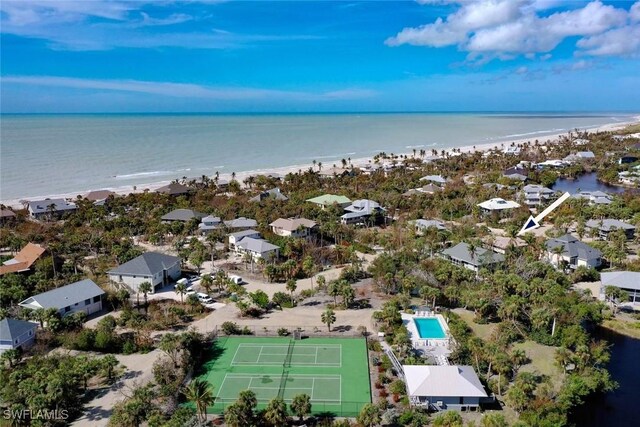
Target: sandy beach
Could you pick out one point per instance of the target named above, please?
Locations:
(240, 176)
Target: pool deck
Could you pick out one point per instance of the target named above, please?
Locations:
(439, 348)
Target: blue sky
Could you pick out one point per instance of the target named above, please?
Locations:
(426, 55)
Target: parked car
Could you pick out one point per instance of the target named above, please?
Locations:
(183, 281)
(204, 298)
(236, 279)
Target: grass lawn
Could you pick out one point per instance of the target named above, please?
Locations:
(542, 360)
(630, 328)
(480, 330)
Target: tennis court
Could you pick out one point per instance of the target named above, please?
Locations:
(333, 372)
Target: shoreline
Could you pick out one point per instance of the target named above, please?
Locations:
(16, 203)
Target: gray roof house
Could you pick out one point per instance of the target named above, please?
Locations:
(241, 222)
(258, 248)
(595, 197)
(443, 387)
(174, 189)
(580, 155)
(235, 238)
(56, 207)
(461, 254)
(628, 281)
(84, 295)
(153, 267)
(606, 226)
(182, 215)
(574, 252)
(424, 224)
(274, 194)
(16, 334)
(516, 173)
(535, 195)
(360, 210)
(209, 223)
(438, 179)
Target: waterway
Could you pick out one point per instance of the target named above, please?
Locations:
(585, 182)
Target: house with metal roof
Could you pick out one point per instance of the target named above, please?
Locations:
(422, 225)
(182, 215)
(443, 387)
(16, 334)
(595, 197)
(568, 249)
(273, 194)
(209, 223)
(235, 238)
(292, 227)
(360, 211)
(603, 228)
(497, 204)
(241, 222)
(24, 260)
(153, 267)
(535, 195)
(258, 248)
(580, 156)
(436, 179)
(628, 281)
(329, 200)
(462, 255)
(83, 296)
(516, 174)
(50, 208)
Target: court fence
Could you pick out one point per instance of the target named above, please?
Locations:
(318, 409)
(285, 331)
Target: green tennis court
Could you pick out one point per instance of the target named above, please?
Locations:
(334, 372)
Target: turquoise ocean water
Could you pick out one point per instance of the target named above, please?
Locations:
(69, 154)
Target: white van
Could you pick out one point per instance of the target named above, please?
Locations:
(236, 279)
(183, 281)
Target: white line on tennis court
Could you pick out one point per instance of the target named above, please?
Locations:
(259, 355)
(221, 385)
(313, 387)
(316, 361)
(340, 355)
(235, 354)
(340, 388)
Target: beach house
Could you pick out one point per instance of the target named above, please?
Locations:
(181, 215)
(535, 195)
(50, 208)
(329, 200)
(628, 281)
(241, 222)
(258, 248)
(99, 197)
(423, 225)
(6, 216)
(153, 267)
(571, 251)
(361, 211)
(83, 296)
(273, 194)
(174, 189)
(16, 334)
(517, 174)
(293, 227)
(24, 260)
(603, 228)
(443, 387)
(595, 197)
(235, 238)
(473, 259)
(497, 205)
(209, 223)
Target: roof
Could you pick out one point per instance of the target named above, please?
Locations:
(516, 173)
(443, 381)
(173, 189)
(597, 197)
(481, 256)
(426, 223)
(182, 215)
(609, 224)
(23, 259)
(292, 224)
(147, 264)
(434, 178)
(238, 235)
(497, 204)
(241, 222)
(256, 245)
(537, 189)
(573, 247)
(10, 329)
(329, 199)
(42, 206)
(621, 279)
(363, 206)
(6, 213)
(65, 295)
(274, 193)
(98, 195)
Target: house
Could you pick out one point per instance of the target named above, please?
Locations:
(501, 244)
(24, 260)
(437, 179)
(628, 281)
(517, 174)
(497, 205)
(53, 208)
(427, 189)
(235, 238)
(258, 248)
(443, 387)
(606, 226)
(461, 254)
(553, 163)
(174, 189)
(16, 334)
(335, 172)
(181, 215)
(595, 197)
(99, 197)
(83, 296)
(292, 227)
(579, 156)
(512, 150)
(580, 141)
(329, 200)
(572, 251)
(153, 267)
(7, 215)
(273, 194)
(360, 211)
(535, 195)
(209, 223)
(424, 224)
(241, 222)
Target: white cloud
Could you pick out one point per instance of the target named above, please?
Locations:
(187, 90)
(504, 29)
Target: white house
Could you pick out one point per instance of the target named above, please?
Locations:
(595, 197)
(16, 334)
(84, 295)
(209, 223)
(607, 226)
(360, 211)
(535, 195)
(235, 238)
(497, 205)
(153, 267)
(258, 248)
(628, 281)
(443, 387)
(572, 251)
(422, 225)
(39, 209)
(292, 227)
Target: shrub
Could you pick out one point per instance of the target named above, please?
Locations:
(85, 340)
(374, 346)
(383, 394)
(283, 332)
(129, 347)
(230, 328)
(246, 331)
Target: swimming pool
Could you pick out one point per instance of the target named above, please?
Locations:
(429, 328)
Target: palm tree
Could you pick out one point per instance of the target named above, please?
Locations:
(301, 405)
(181, 289)
(291, 287)
(206, 282)
(145, 288)
(328, 317)
(199, 393)
(275, 413)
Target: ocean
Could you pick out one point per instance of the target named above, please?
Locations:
(43, 155)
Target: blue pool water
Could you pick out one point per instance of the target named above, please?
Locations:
(429, 328)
